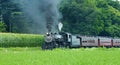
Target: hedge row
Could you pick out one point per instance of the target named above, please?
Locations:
(20, 40)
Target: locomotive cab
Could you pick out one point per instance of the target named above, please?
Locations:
(67, 38)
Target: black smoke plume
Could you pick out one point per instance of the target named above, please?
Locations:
(44, 13)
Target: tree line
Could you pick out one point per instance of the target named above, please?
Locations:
(85, 17)
(92, 17)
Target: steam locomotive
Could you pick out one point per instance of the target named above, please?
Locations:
(56, 40)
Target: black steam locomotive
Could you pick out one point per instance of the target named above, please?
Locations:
(56, 40)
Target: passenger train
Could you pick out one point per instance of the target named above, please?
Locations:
(68, 40)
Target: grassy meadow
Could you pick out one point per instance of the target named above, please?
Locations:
(24, 49)
(20, 40)
(81, 56)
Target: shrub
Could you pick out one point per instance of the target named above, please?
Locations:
(2, 26)
(20, 40)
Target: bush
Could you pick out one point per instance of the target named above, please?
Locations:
(2, 26)
(20, 40)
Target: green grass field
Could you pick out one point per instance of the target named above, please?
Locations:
(20, 40)
(82, 56)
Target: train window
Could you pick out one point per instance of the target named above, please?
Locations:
(117, 42)
(84, 41)
(91, 41)
(69, 36)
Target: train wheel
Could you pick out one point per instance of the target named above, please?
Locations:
(65, 44)
(47, 46)
(50, 46)
(44, 46)
(70, 47)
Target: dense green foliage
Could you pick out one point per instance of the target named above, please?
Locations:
(2, 27)
(92, 17)
(86, 17)
(20, 40)
(13, 17)
(35, 56)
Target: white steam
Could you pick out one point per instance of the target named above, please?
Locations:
(60, 26)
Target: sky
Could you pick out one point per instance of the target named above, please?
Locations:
(115, 0)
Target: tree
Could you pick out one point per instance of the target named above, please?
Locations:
(6, 8)
(2, 26)
(91, 17)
